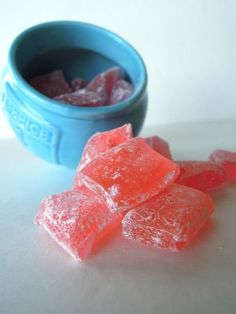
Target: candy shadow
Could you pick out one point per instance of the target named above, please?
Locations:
(220, 196)
(204, 235)
(105, 241)
(123, 256)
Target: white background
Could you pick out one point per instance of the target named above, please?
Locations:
(189, 48)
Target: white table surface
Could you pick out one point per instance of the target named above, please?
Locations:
(36, 276)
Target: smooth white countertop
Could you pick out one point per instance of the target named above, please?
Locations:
(36, 276)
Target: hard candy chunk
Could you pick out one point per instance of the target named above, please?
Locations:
(227, 160)
(120, 91)
(103, 83)
(159, 145)
(169, 220)
(75, 220)
(127, 175)
(77, 84)
(51, 84)
(82, 98)
(201, 175)
(102, 141)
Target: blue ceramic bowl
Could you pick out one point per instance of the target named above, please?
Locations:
(58, 132)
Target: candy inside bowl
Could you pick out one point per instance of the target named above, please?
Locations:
(57, 131)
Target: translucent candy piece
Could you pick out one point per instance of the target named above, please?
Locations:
(102, 141)
(201, 175)
(227, 160)
(103, 83)
(82, 98)
(128, 174)
(120, 91)
(75, 220)
(169, 220)
(159, 145)
(51, 84)
(77, 84)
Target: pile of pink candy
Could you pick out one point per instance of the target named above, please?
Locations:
(134, 182)
(105, 89)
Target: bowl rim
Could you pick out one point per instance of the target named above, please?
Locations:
(67, 109)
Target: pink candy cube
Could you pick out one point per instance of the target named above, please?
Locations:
(102, 141)
(159, 145)
(81, 98)
(227, 160)
(169, 220)
(51, 84)
(120, 91)
(127, 175)
(103, 83)
(77, 84)
(75, 220)
(201, 175)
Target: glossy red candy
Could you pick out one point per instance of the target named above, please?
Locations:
(81, 98)
(51, 84)
(75, 220)
(120, 91)
(102, 141)
(103, 83)
(169, 220)
(201, 175)
(127, 175)
(159, 145)
(227, 160)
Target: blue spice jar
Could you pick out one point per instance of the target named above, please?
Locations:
(54, 131)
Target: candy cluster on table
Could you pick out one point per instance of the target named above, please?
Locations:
(133, 182)
(106, 88)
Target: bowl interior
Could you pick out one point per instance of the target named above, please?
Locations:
(75, 62)
(79, 49)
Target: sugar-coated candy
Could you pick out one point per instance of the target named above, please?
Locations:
(159, 145)
(127, 175)
(201, 175)
(104, 89)
(103, 83)
(81, 98)
(102, 141)
(77, 84)
(227, 160)
(127, 179)
(120, 91)
(75, 220)
(51, 84)
(169, 220)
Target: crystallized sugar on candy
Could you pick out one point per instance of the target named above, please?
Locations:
(102, 141)
(159, 145)
(51, 84)
(77, 84)
(82, 98)
(75, 220)
(227, 160)
(103, 83)
(104, 89)
(128, 174)
(120, 91)
(169, 220)
(201, 175)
